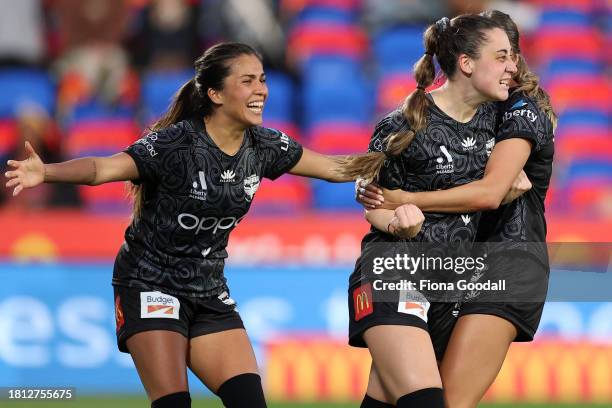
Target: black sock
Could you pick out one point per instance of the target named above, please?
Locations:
(242, 391)
(175, 400)
(425, 398)
(369, 402)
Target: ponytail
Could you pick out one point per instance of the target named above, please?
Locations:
(184, 105)
(414, 110)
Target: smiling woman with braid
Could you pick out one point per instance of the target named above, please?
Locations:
(434, 141)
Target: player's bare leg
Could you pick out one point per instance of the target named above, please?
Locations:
(160, 357)
(376, 388)
(404, 358)
(226, 364)
(475, 354)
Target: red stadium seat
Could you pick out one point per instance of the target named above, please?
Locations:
(587, 197)
(290, 129)
(581, 5)
(100, 136)
(338, 138)
(287, 194)
(293, 6)
(564, 42)
(578, 91)
(109, 197)
(394, 88)
(583, 145)
(339, 39)
(8, 136)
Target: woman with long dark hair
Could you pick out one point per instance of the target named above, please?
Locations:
(194, 177)
(513, 234)
(419, 148)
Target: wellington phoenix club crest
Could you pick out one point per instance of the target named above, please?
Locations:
(251, 184)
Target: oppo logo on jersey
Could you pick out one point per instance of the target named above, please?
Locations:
(191, 222)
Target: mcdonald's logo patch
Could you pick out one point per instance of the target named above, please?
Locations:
(119, 321)
(363, 302)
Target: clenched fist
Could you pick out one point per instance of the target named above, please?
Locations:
(407, 221)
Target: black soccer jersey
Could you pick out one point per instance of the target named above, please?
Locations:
(523, 219)
(194, 196)
(445, 154)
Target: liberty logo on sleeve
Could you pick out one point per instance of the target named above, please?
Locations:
(442, 168)
(198, 191)
(285, 142)
(516, 110)
(158, 305)
(466, 219)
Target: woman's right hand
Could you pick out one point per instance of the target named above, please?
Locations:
(407, 221)
(27, 173)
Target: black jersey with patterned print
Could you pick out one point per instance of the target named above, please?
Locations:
(523, 219)
(447, 153)
(194, 196)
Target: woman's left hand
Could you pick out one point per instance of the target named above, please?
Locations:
(368, 195)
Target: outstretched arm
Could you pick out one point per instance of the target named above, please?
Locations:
(88, 170)
(316, 165)
(503, 169)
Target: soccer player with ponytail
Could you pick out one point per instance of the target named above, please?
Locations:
(436, 140)
(195, 176)
(514, 232)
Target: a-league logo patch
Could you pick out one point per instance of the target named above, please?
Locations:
(158, 305)
(363, 302)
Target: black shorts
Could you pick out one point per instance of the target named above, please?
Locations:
(139, 310)
(437, 318)
(527, 281)
(524, 316)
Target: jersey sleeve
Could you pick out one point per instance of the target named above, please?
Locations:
(278, 151)
(390, 175)
(520, 117)
(152, 152)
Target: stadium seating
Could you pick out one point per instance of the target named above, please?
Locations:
(322, 38)
(102, 137)
(280, 106)
(158, 88)
(340, 138)
(398, 49)
(286, 195)
(8, 138)
(25, 86)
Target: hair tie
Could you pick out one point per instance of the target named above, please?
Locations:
(388, 155)
(431, 54)
(442, 24)
(421, 87)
